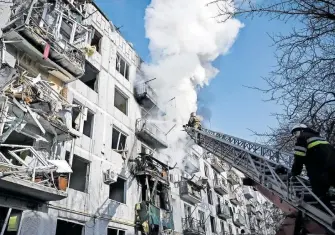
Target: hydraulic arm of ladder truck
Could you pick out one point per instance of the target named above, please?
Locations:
(260, 166)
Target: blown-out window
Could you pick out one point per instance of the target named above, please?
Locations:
(122, 66)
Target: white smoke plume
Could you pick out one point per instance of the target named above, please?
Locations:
(185, 38)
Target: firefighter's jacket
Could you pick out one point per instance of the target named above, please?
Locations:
(316, 154)
(194, 122)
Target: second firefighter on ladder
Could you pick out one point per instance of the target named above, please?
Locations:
(318, 156)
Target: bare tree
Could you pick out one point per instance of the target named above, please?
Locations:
(304, 80)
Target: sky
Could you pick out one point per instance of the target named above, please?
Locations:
(235, 109)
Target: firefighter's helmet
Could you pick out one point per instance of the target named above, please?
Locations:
(298, 127)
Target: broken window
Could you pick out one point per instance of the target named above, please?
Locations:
(80, 176)
(66, 227)
(222, 226)
(213, 225)
(171, 177)
(112, 231)
(117, 191)
(87, 128)
(88, 124)
(122, 66)
(209, 196)
(120, 101)
(90, 78)
(76, 117)
(206, 170)
(118, 140)
(96, 40)
(11, 226)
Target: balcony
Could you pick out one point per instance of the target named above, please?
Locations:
(189, 191)
(223, 211)
(251, 209)
(191, 226)
(239, 220)
(151, 134)
(191, 163)
(259, 214)
(221, 187)
(235, 199)
(218, 164)
(147, 165)
(49, 36)
(248, 192)
(27, 174)
(145, 96)
(233, 178)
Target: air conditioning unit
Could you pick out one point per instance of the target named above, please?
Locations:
(110, 177)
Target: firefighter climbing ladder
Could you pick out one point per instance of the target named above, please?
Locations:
(258, 163)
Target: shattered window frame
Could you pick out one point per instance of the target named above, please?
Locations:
(213, 223)
(120, 135)
(124, 192)
(121, 95)
(96, 35)
(91, 123)
(122, 64)
(88, 170)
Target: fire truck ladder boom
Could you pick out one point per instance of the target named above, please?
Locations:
(259, 163)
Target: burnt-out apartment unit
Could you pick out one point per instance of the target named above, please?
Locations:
(78, 154)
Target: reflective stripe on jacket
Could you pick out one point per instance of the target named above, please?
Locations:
(315, 153)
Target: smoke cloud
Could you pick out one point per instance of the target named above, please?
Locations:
(185, 38)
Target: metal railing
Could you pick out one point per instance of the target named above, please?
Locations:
(186, 187)
(144, 125)
(232, 176)
(193, 225)
(48, 31)
(145, 89)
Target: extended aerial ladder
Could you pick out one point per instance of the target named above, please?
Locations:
(260, 164)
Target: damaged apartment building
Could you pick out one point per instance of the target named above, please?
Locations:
(77, 155)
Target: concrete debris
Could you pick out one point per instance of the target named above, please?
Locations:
(36, 99)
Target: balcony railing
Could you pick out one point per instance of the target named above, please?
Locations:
(37, 28)
(218, 164)
(191, 163)
(220, 186)
(223, 211)
(145, 95)
(148, 165)
(31, 175)
(233, 178)
(192, 226)
(239, 220)
(151, 134)
(189, 191)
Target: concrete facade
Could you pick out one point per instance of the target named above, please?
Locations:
(88, 203)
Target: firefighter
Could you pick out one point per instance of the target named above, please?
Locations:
(318, 157)
(194, 121)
